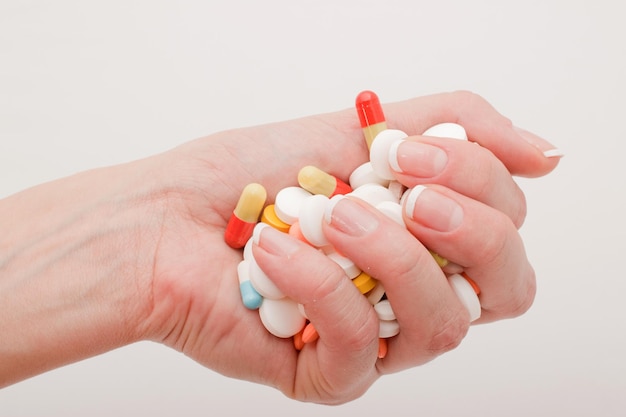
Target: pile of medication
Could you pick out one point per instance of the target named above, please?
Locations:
(299, 211)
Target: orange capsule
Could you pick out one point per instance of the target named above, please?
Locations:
(245, 216)
(371, 115)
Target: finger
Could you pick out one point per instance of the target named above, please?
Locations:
(341, 362)
(522, 152)
(431, 318)
(481, 239)
(462, 166)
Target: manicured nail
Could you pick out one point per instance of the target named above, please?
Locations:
(274, 241)
(417, 159)
(433, 209)
(349, 217)
(548, 149)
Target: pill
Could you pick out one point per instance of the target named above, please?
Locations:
(260, 281)
(373, 194)
(247, 249)
(309, 334)
(441, 261)
(382, 348)
(245, 215)
(298, 344)
(281, 317)
(384, 310)
(364, 174)
(294, 230)
(364, 282)
(446, 130)
(288, 201)
(311, 219)
(250, 297)
(386, 329)
(371, 115)
(269, 217)
(316, 181)
(397, 189)
(466, 294)
(348, 266)
(392, 210)
(472, 283)
(375, 294)
(382, 164)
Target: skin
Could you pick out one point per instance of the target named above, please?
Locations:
(135, 252)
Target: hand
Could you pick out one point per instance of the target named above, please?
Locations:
(197, 308)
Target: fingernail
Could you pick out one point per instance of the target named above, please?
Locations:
(417, 159)
(349, 217)
(548, 149)
(274, 241)
(433, 209)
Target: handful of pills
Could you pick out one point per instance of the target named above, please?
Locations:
(299, 211)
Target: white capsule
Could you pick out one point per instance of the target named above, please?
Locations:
(282, 318)
(446, 130)
(466, 294)
(365, 174)
(379, 152)
(288, 202)
(311, 218)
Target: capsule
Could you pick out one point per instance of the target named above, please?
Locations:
(317, 181)
(245, 216)
(371, 115)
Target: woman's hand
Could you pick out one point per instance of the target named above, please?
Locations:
(469, 213)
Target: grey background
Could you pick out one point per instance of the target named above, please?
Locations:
(86, 84)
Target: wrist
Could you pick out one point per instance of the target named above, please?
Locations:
(74, 269)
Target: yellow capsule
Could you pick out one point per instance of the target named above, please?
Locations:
(269, 217)
(316, 181)
(364, 282)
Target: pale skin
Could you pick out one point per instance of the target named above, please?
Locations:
(135, 252)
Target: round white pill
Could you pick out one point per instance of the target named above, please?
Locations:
(376, 293)
(384, 310)
(287, 203)
(379, 151)
(446, 130)
(466, 294)
(388, 328)
(364, 174)
(311, 218)
(374, 194)
(282, 318)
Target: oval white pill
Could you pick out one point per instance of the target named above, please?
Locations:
(446, 130)
(387, 328)
(261, 282)
(287, 203)
(374, 194)
(311, 218)
(466, 294)
(364, 174)
(384, 310)
(282, 317)
(379, 151)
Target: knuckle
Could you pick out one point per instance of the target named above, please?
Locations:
(523, 299)
(450, 333)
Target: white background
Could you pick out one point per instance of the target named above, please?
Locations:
(85, 84)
